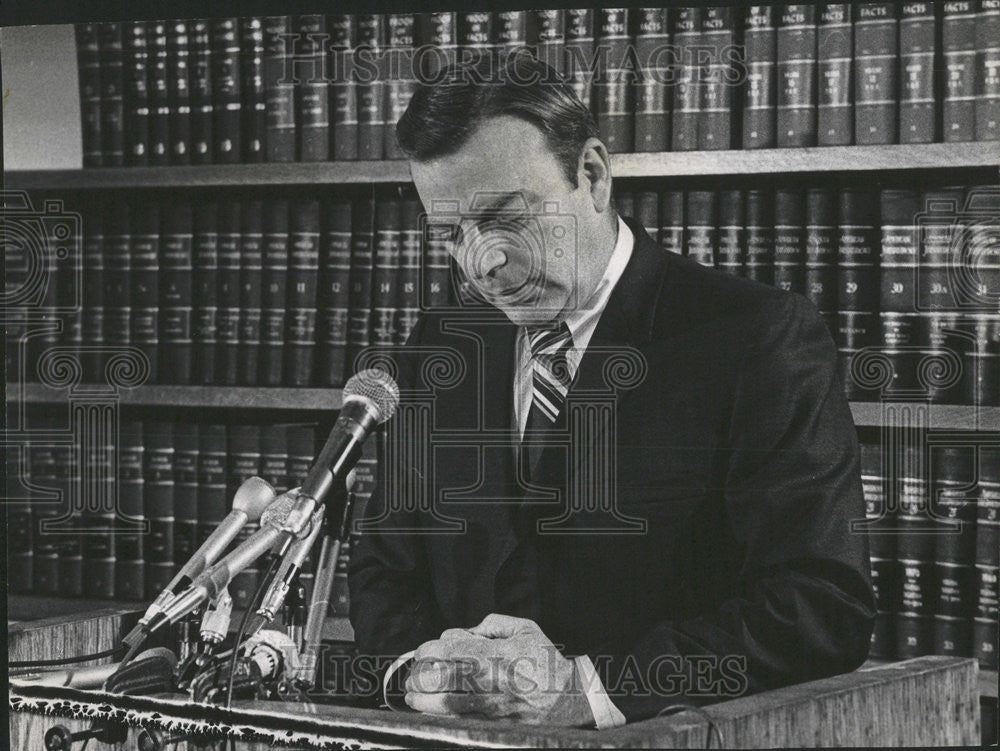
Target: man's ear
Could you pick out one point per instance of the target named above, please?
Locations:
(595, 168)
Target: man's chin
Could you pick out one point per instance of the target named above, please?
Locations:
(531, 316)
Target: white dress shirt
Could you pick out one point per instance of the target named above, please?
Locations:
(581, 322)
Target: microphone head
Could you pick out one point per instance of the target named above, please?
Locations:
(151, 672)
(253, 496)
(377, 387)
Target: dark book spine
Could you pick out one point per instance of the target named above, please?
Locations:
(988, 71)
(226, 130)
(821, 254)
(954, 602)
(719, 78)
(436, 272)
(88, 57)
(884, 567)
(796, 101)
(279, 91)
(68, 529)
(918, 105)
(273, 294)
(612, 87)
(915, 551)
(702, 230)
(759, 93)
(758, 263)
(385, 276)
(202, 99)
(176, 293)
(958, 47)
(362, 260)
(652, 105)
(371, 85)
(185, 491)
(112, 99)
(510, 33)
(579, 52)
(136, 94)
(939, 335)
(274, 456)
(981, 381)
(876, 49)
(117, 275)
(672, 221)
(687, 80)
(548, 30)
(732, 231)
(45, 551)
(399, 87)
(242, 463)
(178, 79)
(647, 211)
(312, 100)
(251, 284)
(475, 35)
(204, 325)
(254, 116)
(408, 288)
(158, 505)
(857, 281)
(93, 292)
(300, 441)
(343, 87)
(303, 270)
(834, 53)
(789, 240)
(987, 562)
(440, 32)
(897, 270)
(159, 94)
(213, 503)
(334, 292)
(625, 202)
(130, 578)
(938, 249)
(144, 252)
(954, 504)
(18, 495)
(230, 245)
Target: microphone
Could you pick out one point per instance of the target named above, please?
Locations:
(370, 398)
(249, 502)
(150, 672)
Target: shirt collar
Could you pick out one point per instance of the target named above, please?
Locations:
(583, 320)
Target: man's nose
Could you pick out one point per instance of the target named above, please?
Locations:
(486, 262)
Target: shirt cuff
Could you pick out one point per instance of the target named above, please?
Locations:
(395, 702)
(606, 714)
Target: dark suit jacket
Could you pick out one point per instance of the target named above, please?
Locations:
(727, 564)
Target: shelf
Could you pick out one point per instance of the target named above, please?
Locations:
(944, 416)
(868, 159)
(247, 397)
(866, 414)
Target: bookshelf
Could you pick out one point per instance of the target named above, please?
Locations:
(815, 160)
(866, 414)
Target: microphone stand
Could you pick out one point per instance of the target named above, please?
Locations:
(319, 604)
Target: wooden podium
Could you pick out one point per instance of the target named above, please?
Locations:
(928, 701)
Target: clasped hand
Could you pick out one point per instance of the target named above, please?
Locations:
(504, 667)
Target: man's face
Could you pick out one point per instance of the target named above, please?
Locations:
(522, 225)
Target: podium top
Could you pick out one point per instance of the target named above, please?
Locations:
(928, 701)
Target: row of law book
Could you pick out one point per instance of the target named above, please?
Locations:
(933, 525)
(332, 87)
(119, 520)
(907, 277)
(254, 291)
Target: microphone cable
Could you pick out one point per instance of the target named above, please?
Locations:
(66, 660)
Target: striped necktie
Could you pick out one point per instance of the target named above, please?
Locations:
(550, 381)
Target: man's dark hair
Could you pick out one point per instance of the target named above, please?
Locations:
(443, 113)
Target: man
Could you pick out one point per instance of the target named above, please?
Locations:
(712, 555)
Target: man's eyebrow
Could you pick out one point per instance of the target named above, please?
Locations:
(504, 199)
